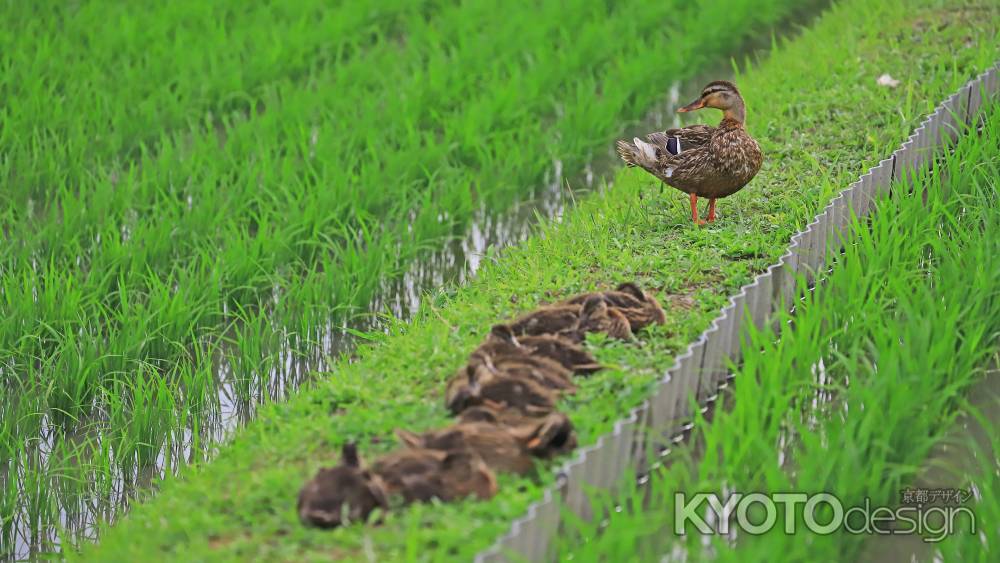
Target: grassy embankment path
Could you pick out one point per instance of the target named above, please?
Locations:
(821, 121)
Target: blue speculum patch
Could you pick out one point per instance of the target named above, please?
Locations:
(674, 146)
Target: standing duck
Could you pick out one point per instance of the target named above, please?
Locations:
(701, 160)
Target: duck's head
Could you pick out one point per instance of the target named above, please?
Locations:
(503, 333)
(548, 437)
(339, 495)
(720, 94)
(594, 307)
(632, 289)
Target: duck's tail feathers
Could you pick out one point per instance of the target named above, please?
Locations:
(637, 153)
(627, 152)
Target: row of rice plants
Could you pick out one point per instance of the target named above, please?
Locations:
(85, 84)
(867, 378)
(821, 120)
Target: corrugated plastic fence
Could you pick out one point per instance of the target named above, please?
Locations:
(650, 429)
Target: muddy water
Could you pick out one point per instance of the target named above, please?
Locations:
(954, 463)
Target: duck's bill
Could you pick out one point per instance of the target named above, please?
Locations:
(697, 104)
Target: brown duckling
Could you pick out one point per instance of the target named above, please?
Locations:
(497, 414)
(474, 385)
(518, 364)
(422, 474)
(574, 321)
(571, 356)
(503, 448)
(561, 320)
(493, 413)
(342, 494)
(639, 307)
(627, 295)
(596, 316)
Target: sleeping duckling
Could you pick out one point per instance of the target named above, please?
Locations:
(508, 449)
(474, 385)
(423, 474)
(596, 316)
(496, 414)
(543, 370)
(493, 413)
(501, 340)
(627, 295)
(343, 494)
(574, 321)
(550, 319)
(639, 307)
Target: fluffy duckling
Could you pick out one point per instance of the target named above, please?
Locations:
(509, 449)
(343, 494)
(493, 413)
(626, 294)
(562, 320)
(423, 474)
(596, 316)
(571, 356)
(573, 321)
(497, 414)
(639, 307)
(520, 365)
(474, 385)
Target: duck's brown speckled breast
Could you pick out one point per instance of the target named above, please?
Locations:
(736, 160)
(720, 168)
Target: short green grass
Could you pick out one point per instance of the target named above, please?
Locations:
(851, 398)
(194, 193)
(821, 120)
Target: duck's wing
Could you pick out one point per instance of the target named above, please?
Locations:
(675, 141)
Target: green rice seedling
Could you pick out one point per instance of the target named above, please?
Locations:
(139, 416)
(38, 506)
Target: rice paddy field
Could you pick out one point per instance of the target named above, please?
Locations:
(203, 204)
